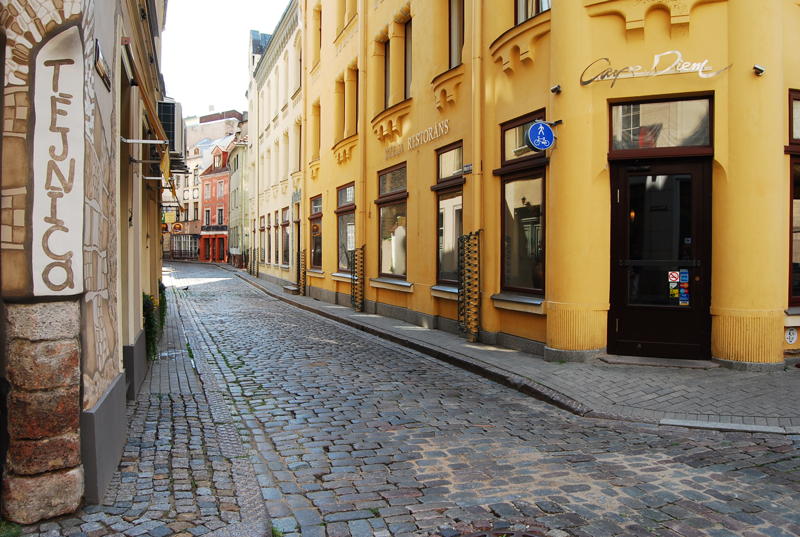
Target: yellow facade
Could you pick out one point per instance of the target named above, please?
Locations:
(578, 63)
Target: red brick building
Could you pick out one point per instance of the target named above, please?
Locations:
(215, 208)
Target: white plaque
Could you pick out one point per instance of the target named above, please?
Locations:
(58, 158)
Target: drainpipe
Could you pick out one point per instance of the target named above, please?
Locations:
(477, 126)
(361, 121)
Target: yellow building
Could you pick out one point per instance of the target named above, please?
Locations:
(656, 224)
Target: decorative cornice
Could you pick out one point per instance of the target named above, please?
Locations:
(445, 87)
(517, 45)
(634, 13)
(343, 149)
(280, 38)
(388, 125)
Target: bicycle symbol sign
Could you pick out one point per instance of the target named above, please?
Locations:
(540, 136)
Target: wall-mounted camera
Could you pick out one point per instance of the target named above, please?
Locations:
(759, 70)
(556, 89)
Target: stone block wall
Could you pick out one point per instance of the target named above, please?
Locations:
(44, 476)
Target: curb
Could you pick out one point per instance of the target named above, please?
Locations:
(514, 381)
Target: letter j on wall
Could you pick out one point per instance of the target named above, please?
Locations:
(58, 163)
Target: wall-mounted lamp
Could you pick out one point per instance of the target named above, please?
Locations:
(556, 89)
(759, 70)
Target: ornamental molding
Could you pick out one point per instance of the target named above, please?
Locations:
(343, 150)
(517, 46)
(635, 11)
(446, 86)
(388, 125)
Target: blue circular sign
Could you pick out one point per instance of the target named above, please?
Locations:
(540, 136)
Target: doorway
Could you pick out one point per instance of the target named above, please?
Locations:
(660, 258)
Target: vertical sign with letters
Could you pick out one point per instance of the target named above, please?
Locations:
(58, 163)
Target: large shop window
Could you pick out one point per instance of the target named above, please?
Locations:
(393, 225)
(269, 238)
(677, 127)
(526, 9)
(794, 270)
(522, 208)
(277, 230)
(261, 248)
(346, 224)
(449, 182)
(315, 221)
(285, 236)
(794, 118)
(523, 234)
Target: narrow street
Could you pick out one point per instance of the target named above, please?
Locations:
(341, 433)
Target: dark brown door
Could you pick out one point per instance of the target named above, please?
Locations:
(660, 259)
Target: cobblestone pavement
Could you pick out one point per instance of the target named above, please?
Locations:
(183, 471)
(349, 436)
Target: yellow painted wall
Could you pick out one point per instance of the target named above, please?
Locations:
(507, 72)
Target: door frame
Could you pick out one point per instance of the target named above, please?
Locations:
(702, 221)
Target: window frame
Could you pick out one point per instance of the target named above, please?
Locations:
(538, 11)
(285, 246)
(450, 21)
(439, 194)
(530, 173)
(521, 163)
(207, 217)
(452, 181)
(277, 231)
(386, 200)
(342, 210)
(408, 56)
(268, 232)
(220, 215)
(314, 218)
(794, 143)
(794, 300)
(683, 151)
(387, 75)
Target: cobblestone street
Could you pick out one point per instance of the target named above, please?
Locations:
(344, 434)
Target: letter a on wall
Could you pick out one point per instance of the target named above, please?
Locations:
(58, 164)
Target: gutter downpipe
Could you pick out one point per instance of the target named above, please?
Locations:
(477, 126)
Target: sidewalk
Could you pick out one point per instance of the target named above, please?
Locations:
(717, 398)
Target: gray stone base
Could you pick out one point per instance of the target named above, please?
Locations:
(136, 364)
(103, 434)
(792, 359)
(751, 366)
(280, 282)
(560, 355)
(434, 322)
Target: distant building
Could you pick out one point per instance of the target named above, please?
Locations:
(215, 185)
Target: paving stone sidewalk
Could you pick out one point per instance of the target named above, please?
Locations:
(717, 398)
(183, 471)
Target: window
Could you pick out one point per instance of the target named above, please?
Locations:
(220, 189)
(526, 9)
(450, 228)
(523, 234)
(185, 212)
(207, 219)
(195, 194)
(220, 215)
(285, 236)
(196, 213)
(177, 181)
(513, 139)
(277, 232)
(794, 117)
(217, 161)
(407, 59)
(185, 194)
(196, 176)
(392, 221)
(262, 249)
(661, 125)
(450, 210)
(315, 220)
(794, 269)
(387, 88)
(346, 225)
(207, 192)
(456, 32)
(268, 233)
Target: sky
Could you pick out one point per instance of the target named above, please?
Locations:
(204, 50)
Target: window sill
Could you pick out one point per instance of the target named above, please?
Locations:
(285, 267)
(792, 316)
(392, 284)
(316, 273)
(342, 277)
(519, 302)
(445, 292)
